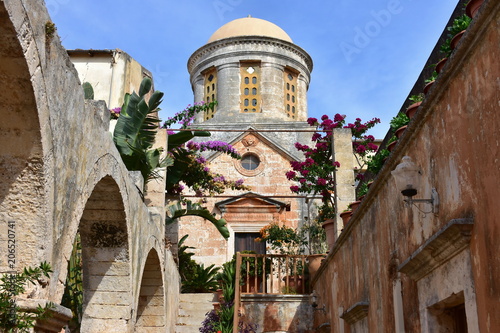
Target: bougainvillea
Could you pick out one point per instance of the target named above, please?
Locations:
(315, 174)
(191, 166)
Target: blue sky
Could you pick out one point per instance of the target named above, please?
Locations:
(367, 53)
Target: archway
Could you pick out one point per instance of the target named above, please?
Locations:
(151, 305)
(22, 179)
(106, 261)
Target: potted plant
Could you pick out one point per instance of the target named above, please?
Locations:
(346, 216)
(459, 25)
(398, 124)
(473, 7)
(393, 141)
(430, 81)
(416, 101)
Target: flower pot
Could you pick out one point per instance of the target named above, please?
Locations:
(473, 7)
(346, 216)
(456, 39)
(399, 132)
(428, 86)
(329, 226)
(218, 296)
(313, 264)
(354, 205)
(216, 306)
(391, 145)
(440, 65)
(412, 109)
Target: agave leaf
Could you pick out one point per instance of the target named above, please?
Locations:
(176, 211)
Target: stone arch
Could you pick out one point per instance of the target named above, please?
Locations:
(22, 180)
(106, 261)
(151, 304)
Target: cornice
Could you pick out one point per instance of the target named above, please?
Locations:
(274, 42)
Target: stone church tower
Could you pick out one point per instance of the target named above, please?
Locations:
(259, 78)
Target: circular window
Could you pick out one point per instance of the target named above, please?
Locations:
(250, 162)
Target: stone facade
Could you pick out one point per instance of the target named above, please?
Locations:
(61, 173)
(403, 268)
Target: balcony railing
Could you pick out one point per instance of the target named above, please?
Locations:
(271, 274)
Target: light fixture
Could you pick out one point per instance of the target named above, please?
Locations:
(407, 176)
(314, 302)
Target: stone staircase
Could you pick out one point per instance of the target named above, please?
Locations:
(192, 310)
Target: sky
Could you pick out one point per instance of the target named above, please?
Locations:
(367, 54)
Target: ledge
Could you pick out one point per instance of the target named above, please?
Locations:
(443, 245)
(274, 298)
(59, 315)
(356, 312)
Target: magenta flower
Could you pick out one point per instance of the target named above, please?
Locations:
(321, 182)
(290, 175)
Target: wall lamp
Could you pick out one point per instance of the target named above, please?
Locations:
(314, 302)
(408, 177)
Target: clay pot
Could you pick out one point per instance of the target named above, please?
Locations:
(391, 145)
(346, 216)
(440, 65)
(218, 296)
(329, 226)
(412, 109)
(428, 86)
(456, 39)
(313, 264)
(399, 132)
(354, 205)
(473, 7)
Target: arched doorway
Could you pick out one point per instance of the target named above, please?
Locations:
(106, 261)
(151, 305)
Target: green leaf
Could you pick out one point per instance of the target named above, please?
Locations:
(176, 211)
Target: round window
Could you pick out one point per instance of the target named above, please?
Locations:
(250, 162)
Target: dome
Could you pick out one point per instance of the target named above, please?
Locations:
(249, 26)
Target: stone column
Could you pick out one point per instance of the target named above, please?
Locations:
(303, 85)
(199, 94)
(228, 90)
(345, 192)
(272, 90)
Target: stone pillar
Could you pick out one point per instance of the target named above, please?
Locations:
(303, 85)
(345, 192)
(199, 94)
(228, 91)
(272, 90)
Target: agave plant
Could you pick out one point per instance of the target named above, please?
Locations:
(135, 132)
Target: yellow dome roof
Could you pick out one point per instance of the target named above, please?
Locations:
(249, 26)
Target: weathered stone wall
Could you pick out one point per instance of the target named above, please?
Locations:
(396, 269)
(60, 173)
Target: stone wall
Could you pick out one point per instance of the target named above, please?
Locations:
(60, 174)
(399, 268)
